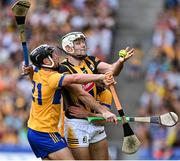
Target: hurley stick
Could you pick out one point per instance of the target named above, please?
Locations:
(130, 142)
(168, 119)
(20, 9)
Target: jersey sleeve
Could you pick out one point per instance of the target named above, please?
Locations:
(105, 98)
(63, 69)
(95, 61)
(56, 80)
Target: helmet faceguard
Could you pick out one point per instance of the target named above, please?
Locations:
(68, 40)
(40, 53)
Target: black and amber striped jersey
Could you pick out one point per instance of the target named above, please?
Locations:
(87, 66)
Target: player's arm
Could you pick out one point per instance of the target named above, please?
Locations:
(107, 78)
(81, 112)
(104, 97)
(116, 67)
(89, 101)
(57, 80)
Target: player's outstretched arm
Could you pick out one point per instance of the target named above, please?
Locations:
(107, 78)
(116, 67)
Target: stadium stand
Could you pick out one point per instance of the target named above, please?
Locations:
(162, 92)
(45, 22)
(50, 18)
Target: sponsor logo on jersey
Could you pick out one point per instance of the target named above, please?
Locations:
(88, 86)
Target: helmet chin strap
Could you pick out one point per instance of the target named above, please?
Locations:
(49, 66)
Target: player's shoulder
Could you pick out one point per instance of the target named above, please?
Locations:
(53, 75)
(63, 67)
(92, 58)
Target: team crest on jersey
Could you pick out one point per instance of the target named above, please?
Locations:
(88, 86)
(85, 139)
(91, 67)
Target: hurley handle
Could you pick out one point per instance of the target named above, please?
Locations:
(115, 97)
(90, 119)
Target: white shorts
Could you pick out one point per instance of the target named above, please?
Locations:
(81, 133)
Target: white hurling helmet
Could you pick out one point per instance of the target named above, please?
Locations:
(70, 37)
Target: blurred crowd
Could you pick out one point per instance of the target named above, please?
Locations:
(162, 88)
(47, 20)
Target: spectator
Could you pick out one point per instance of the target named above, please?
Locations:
(162, 85)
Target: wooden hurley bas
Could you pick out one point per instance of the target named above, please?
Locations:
(20, 10)
(131, 143)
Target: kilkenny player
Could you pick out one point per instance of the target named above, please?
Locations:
(86, 140)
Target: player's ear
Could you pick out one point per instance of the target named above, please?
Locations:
(46, 61)
(69, 49)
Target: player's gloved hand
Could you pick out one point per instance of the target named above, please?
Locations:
(110, 117)
(109, 79)
(125, 54)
